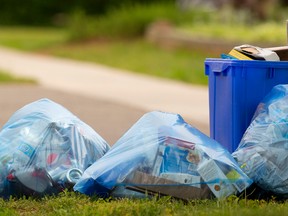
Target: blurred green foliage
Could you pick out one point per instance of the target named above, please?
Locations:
(125, 21)
(115, 37)
(53, 12)
(133, 20)
(130, 20)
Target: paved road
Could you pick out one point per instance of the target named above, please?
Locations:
(108, 99)
(111, 120)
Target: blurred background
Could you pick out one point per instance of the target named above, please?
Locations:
(166, 38)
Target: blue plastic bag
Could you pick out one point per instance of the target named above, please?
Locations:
(263, 150)
(44, 149)
(163, 154)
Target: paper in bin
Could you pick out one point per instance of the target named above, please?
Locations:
(161, 153)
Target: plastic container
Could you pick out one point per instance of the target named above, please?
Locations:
(236, 87)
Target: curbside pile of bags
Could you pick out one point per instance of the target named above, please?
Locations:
(45, 149)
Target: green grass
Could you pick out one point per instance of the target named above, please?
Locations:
(6, 78)
(31, 38)
(74, 204)
(134, 55)
(139, 56)
(263, 33)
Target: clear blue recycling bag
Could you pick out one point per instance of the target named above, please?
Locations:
(162, 154)
(45, 149)
(263, 150)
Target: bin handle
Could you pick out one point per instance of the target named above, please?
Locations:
(220, 68)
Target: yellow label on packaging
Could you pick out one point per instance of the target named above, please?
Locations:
(239, 55)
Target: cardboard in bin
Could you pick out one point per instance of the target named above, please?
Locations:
(281, 51)
(235, 89)
(144, 182)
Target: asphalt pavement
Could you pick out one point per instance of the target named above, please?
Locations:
(108, 99)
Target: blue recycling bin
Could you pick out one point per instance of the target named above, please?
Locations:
(236, 87)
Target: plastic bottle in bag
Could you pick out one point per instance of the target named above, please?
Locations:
(25, 151)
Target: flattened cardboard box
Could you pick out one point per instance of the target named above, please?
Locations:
(143, 182)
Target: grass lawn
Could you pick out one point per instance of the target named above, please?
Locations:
(134, 55)
(31, 38)
(263, 33)
(73, 204)
(137, 55)
(6, 78)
